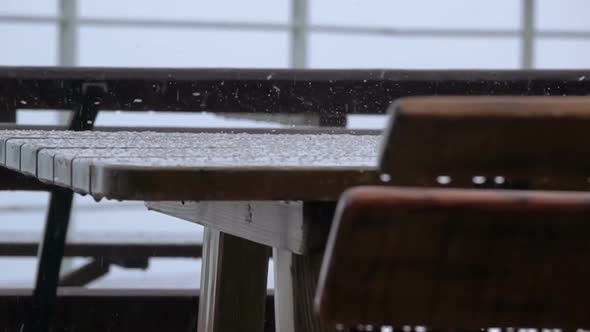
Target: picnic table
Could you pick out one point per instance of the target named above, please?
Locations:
(264, 184)
(252, 191)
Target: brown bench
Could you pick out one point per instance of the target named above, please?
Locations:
(465, 257)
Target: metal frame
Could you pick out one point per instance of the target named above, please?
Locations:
(51, 249)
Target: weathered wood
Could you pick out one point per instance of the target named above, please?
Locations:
(458, 258)
(296, 276)
(204, 166)
(233, 284)
(525, 142)
(273, 223)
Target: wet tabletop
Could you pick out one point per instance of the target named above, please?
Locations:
(195, 166)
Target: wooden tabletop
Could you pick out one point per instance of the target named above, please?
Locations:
(279, 165)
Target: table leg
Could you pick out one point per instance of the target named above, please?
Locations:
(51, 251)
(233, 283)
(296, 277)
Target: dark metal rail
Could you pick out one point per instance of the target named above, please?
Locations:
(267, 90)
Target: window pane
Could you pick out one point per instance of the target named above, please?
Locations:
(29, 44)
(226, 10)
(181, 48)
(418, 13)
(29, 7)
(552, 53)
(330, 51)
(563, 15)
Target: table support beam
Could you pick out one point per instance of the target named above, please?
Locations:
(233, 283)
(296, 276)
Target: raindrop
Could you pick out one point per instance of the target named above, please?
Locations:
(137, 100)
(24, 102)
(196, 94)
(478, 179)
(499, 180)
(385, 177)
(581, 78)
(443, 179)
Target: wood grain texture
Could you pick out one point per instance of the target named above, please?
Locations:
(458, 258)
(204, 166)
(275, 224)
(296, 276)
(233, 284)
(531, 142)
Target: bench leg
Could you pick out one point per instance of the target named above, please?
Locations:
(51, 251)
(233, 283)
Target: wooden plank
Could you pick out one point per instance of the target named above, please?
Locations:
(457, 258)
(233, 284)
(296, 277)
(275, 224)
(251, 166)
(230, 183)
(526, 142)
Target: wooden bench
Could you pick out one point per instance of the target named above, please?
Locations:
(468, 257)
(331, 93)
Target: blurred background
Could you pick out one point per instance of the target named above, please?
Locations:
(418, 34)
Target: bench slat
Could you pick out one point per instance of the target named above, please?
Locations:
(458, 258)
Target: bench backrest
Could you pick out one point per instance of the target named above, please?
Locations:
(514, 142)
(458, 258)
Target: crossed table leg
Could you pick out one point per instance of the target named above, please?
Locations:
(237, 245)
